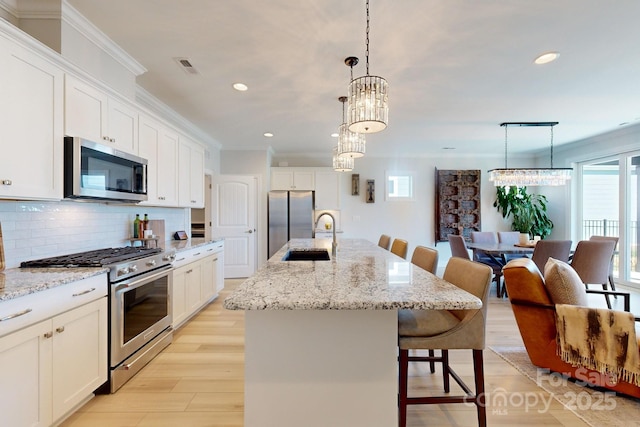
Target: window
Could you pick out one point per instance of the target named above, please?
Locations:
(399, 186)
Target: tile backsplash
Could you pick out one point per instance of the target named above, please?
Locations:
(33, 230)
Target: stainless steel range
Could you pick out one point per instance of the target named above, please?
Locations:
(139, 304)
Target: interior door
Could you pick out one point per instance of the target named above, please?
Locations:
(234, 219)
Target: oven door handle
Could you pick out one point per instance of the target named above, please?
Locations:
(142, 280)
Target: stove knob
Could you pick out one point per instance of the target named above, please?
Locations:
(123, 271)
(133, 268)
(171, 257)
(151, 263)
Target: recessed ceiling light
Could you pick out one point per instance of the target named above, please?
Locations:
(545, 58)
(448, 148)
(334, 135)
(268, 134)
(241, 87)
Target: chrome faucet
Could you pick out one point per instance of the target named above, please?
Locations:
(334, 244)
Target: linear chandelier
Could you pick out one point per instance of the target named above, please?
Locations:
(368, 98)
(529, 176)
(350, 144)
(342, 164)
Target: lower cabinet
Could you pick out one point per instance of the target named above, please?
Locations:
(197, 279)
(50, 367)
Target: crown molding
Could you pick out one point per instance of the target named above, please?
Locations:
(73, 18)
(10, 6)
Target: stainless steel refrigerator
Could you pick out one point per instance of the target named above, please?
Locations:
(290, 216)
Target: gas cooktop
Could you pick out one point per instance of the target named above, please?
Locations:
(95, 258)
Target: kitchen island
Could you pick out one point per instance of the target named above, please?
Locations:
(321, 336)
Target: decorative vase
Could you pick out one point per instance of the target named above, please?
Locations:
(524, 238)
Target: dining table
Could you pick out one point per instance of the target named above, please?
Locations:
(498, 251)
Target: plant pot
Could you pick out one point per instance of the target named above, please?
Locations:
(524, 238)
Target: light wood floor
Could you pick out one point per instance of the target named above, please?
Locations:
(198, 380)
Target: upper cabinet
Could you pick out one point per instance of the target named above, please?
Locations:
(31, 134)
(190, 174)
(292, 178)
(93, 115)
(327, 190)
(159, 145)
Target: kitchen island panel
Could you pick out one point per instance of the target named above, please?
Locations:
(318, 368)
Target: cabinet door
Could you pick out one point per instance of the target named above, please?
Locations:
(85, 111)
(193, 290)
(190, 175)
(79, 355)
(179, 302)
(219, 266)
(122, 124)
(281, 180)
(327, 190)
(159, 146)
(209, 277)
(31, 107)
(304, 180)
(26, 372)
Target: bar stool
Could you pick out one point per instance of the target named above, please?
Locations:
(384, 241)
(400, 248)
(425, 258)
(445, 330)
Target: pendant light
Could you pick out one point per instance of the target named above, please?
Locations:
(342, 164)
(350, 144)
(529, 176)
(368, 110)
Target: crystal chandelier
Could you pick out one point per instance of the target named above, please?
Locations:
(529, 176)
(350, 144)
(368, 98)
(342, 164)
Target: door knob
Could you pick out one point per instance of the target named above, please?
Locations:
(249, 231)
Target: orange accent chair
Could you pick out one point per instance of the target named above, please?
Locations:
(534, 311)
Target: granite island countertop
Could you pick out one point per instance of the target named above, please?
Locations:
(17, 282)
(362, 276)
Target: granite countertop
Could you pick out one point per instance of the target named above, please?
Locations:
(183, 245)
(361, 276)
(17, 282)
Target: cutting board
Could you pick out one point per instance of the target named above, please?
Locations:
(1, 250)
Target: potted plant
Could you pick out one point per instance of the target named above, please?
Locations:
(528, 211)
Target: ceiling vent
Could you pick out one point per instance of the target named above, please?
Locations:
(186, 65)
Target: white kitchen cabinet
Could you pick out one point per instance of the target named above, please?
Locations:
(284, 178)
(50, 364)
(31, 107)
(92, 114)
(190, 174)
(327, 195)
(198, 276)
(159, 145)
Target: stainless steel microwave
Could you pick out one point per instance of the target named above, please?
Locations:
(94, 171)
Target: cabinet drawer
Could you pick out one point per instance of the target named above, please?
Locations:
(195, 254)
(29, 309)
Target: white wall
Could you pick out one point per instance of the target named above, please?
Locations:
(33, 230)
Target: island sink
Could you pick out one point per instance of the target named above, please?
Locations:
(306, 255)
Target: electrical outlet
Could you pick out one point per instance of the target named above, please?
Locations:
(356, 217)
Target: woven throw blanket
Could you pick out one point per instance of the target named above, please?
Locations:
(599, 339)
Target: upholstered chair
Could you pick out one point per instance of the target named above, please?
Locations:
(445, 330)
(400, 248)
(488, 237)
(509, 238)
(458, 246)
(533, 301)
(384, 242)
(592, 261)
(425, 258)
(612, 239)
(545, 249)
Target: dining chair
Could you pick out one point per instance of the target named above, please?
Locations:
(491, 238)
(592, 260)
(545, 249)
(509, 238)
(400, 248)
(384, 242)
(425, 258)
(458, 247)
(446, 330)
(613, 239)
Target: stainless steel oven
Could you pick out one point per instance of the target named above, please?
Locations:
(140, 315)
